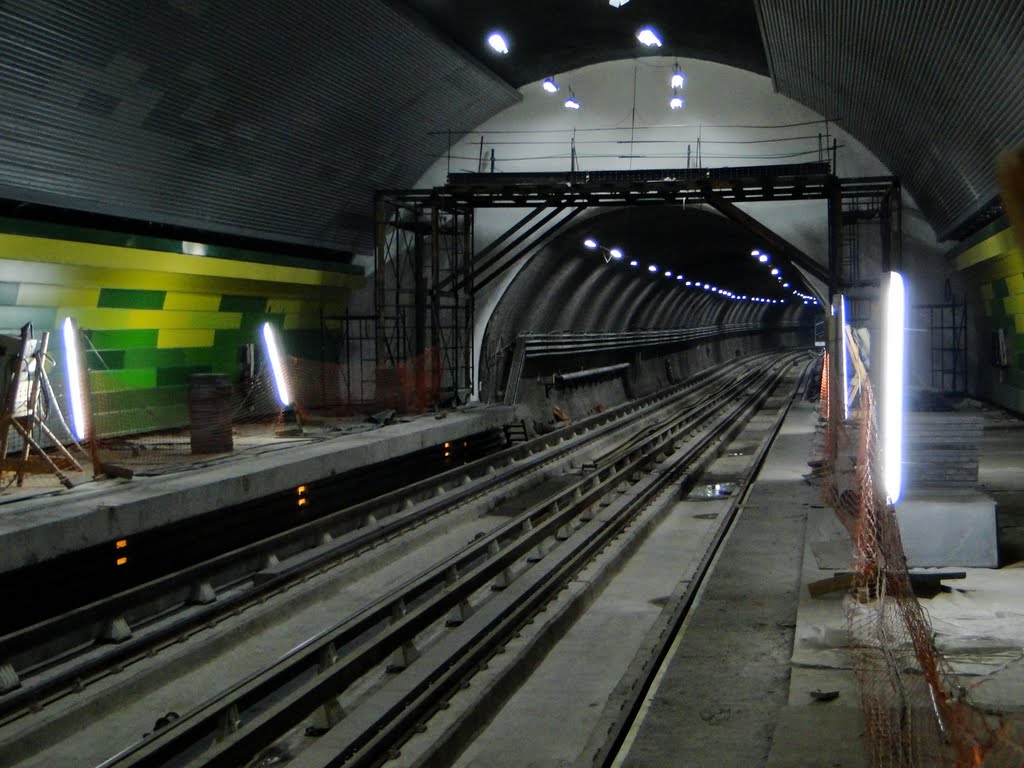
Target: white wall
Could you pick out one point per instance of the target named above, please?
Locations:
(725, 106)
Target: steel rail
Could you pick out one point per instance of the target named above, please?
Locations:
(305, 543)
(625, 702)
(371, 635)
(407, 714)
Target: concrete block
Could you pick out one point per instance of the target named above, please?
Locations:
(949, 528)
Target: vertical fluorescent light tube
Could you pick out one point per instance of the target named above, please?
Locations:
(846, 354)
(892, 388)
(73, 369)
(276, 364)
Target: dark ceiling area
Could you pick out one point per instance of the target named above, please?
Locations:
(547, 37)
(703, 246)
(278, 123)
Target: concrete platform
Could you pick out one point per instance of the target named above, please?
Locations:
(737, 690)
(47, 525)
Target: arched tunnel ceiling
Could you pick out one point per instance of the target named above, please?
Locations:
(270, 120)
(281, 121)
(566, 287)
(548, 37)
(701, 245)
(933, 87)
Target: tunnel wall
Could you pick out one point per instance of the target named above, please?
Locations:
(155, 311)
(995, 271)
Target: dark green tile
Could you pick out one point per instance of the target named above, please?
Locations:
(230, 303)
(1000, 289)
(107, 359)
(126, 298)
(176, 377)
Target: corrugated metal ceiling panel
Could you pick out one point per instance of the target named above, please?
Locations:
(271, 120)
(933, 87)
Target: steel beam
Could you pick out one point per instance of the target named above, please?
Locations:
(776, 241)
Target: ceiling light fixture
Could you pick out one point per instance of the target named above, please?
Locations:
(550, 85)
(571, 103)
(649, 37)
(497, 41)
(676, 102)
(763, 258)
(615, 253)
(634, 263)
(775, 271)
(617, 3)
(652, 268)
(591, 243)
(678, 78)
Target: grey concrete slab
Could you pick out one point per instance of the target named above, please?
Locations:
(39, 529)
(721, 694)
(948, 528)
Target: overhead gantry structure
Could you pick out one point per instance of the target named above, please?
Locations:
(428, 273)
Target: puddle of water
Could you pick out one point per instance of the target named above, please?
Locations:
(711, 491)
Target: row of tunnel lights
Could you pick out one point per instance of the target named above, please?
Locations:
(616, 254)
(764, 258)
(647, 36)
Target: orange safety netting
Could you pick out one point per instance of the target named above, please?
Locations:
(916, 711)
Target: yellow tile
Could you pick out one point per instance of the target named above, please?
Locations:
(39, 249)
(36, 295)
(988, 248)
(14, 270)
(1015, 284)
(205, 302)
(1018, 323)
(174, 339)
(1014, 305)
(141, 319)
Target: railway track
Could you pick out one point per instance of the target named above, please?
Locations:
(67, 653)
(458, 613)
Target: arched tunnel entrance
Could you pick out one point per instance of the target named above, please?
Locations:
(634, 299)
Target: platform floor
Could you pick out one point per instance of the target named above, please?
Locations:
(44, 520)
(737, 688)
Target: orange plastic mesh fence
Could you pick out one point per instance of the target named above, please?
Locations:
(916, 711)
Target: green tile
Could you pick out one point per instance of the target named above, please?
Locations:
(243, 304)
(9, 293)
(112, 359)
(126, 298)
(109, 381)
(155, 358)
(232, 338)
(176, 357)
(122, 339)
(1000, 289)
(171, 377)
(138, 399)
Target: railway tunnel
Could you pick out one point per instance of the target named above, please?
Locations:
(406, 383)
